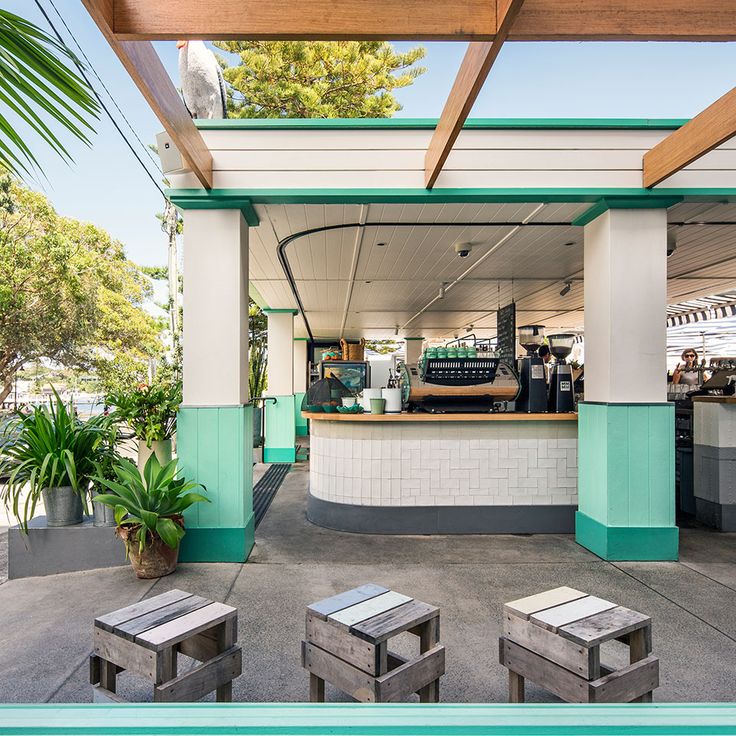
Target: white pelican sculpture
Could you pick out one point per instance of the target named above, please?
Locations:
(202, 83)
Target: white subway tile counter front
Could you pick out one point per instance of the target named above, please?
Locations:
(436, 474)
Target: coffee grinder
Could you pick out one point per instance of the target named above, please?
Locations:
(561, 392)
(533, 393)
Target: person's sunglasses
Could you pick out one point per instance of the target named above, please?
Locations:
(689, 355)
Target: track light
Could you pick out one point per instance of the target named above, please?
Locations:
(441, 294)
(566, 288)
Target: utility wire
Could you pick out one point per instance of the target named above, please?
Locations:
(104, 86)
(80, 67)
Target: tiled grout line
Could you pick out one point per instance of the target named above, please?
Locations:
(708, 577)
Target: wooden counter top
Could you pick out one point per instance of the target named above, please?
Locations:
(424, 417)
(715, 399)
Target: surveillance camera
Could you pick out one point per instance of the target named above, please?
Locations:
(671, 243)
(463, 249)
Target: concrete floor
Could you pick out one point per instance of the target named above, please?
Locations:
(46, 623)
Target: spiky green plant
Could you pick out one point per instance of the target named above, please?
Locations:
(151, 504)
(37, 87)
(49, 447)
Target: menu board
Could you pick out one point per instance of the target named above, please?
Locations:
(506, 332)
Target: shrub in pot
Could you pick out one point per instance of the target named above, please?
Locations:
(149, 512)
(49, 452)
(150, 411)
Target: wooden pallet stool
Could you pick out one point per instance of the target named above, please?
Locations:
(554, 638)
(146, 638)
(347, 645)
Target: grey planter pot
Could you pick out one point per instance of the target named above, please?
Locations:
(63, 506)
(162, 449)
(103, 515)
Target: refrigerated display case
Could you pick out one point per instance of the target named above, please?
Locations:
(354, 375)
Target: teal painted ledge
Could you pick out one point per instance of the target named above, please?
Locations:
(632, 543)
(218, 545)
(356, 719)
(279, 454)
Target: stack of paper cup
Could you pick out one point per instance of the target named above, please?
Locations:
(393, 400)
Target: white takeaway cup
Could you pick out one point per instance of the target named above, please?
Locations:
(393, 400)
(368, 394)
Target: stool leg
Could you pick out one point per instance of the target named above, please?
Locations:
(227, 634)
(166, 669)
(316, 689)
(108, 671)
(516, 688)
(639, 649)
(429, 637)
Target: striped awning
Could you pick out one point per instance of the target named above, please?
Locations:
(717, 306)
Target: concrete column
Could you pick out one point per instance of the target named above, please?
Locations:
(300, 383)
(626, 427)
(413, 348)
(280, 442)
(215, 423)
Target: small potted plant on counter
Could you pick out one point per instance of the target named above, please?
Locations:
(149, 512)
(150, 412)
(49, 453)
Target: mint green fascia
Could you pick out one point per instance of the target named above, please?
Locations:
(201, 199)
(626, 480)
(431, 124)
(624, 196)
(268, 310)
(605, 204)
(280, 441)
(214, 445)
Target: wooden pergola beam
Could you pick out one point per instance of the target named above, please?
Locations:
(471, 20)
(145, 68)
(706, 131)
(474, 69)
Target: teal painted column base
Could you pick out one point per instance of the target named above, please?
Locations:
(643, 543)
(218, 544)
(214, 445)
(626, 481)
(302, 428)
(280, 444)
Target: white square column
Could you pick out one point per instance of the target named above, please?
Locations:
(300, 366)
(626, 428)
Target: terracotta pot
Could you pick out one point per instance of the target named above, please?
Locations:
(162, 448)
(157, 559)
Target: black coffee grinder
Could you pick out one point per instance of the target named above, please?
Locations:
(561, 392)
(533, 393)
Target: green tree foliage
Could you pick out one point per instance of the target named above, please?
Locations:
(38, 88)
(257, 350)
(317, 79)
(67, 292)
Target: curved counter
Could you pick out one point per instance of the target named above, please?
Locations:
(443, 473)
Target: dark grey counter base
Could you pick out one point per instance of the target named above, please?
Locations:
(51, 550)
(721, 516)
(441, 519)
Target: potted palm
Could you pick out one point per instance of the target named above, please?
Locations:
(150, 412)
(149, 512)
(49, 453)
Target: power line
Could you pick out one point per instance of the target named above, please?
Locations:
(80, 67)
(104, 86)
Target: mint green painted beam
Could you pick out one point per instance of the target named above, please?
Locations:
(213, 198)
(355, 719)
(431, 124)
(192, 199)
(214, 445)
(603, 205)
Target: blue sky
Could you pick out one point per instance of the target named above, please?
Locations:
(107, 186)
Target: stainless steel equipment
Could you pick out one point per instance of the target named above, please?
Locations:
(561, 394)
(533, 392)
(440, 385)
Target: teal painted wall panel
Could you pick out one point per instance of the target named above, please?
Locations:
(302, 427)
(214, 446)
(280, 423)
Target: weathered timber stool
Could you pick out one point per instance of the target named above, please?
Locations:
(347, 646)
(554, 638)
(146, 637)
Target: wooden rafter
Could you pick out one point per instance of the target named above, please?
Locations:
(706, 131)
(476, 64)
(145, 68)
(472, 20)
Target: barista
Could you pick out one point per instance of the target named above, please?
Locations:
(689, 374)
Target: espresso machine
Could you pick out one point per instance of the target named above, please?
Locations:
(533, 392)
(561, 392)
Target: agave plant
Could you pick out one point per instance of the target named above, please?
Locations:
(35, 83)
(151, 504)
(49, 447)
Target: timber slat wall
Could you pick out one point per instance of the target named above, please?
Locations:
(369, 720)
(486, 158)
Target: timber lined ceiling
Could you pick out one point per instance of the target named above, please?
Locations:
(399, 269)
